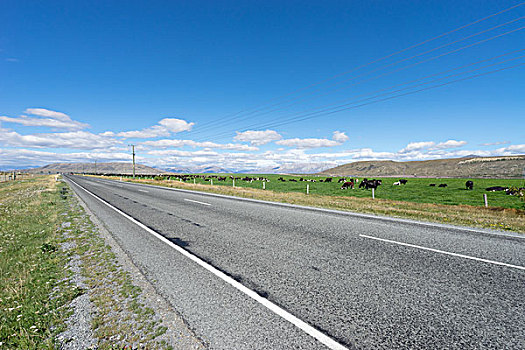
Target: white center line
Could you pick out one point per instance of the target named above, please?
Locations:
(305, 327)
(190, 200)
(143, 191)
(445, 252)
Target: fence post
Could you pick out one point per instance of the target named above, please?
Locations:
(373, 193)
(307, 189)
(211, 181)
(194, 182)
(485, 198)
(233, 183)
(264, 185)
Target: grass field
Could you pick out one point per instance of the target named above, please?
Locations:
(500, 218)
(417, 190)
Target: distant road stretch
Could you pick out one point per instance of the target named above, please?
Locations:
(249, 275)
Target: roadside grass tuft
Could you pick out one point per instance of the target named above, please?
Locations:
(32, 286)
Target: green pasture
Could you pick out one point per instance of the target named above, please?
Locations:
(416, 190)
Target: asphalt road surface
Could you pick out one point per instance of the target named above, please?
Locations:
(362, 282)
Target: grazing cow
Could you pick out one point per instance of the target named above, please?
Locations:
(442, 185)
(292, 180)
(432, 185)
(403, 181)
(469, 185)
(363, 183)
(372, 184)
(328, 179)
(348, 184)
(341, 180)
(496, 188)
(397, 183)
(281, 179)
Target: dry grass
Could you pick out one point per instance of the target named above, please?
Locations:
(494, 218)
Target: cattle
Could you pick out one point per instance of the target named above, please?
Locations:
(496, 188)
(328, 179)
(281, 179)
(403, 181)
(368, 184)
(292, 180)
(363, 183)
(469, 185)
(442, 185)
(348, 184)
(341, 180)
(397, 183)
(432, 185)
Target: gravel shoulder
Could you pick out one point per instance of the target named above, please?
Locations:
(118, 306)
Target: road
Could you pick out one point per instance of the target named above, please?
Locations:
(362, 282)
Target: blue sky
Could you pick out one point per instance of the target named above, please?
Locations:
(226, 83)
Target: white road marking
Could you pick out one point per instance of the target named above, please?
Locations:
(445, 252)
(143, 191)
(190, 200)
(305, 327)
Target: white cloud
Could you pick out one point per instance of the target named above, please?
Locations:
(154, 131)
(166, 127)
(73, 140)
(47, 118)
(417, 146)
(179, 153)
(495, 143)
(16, 158)
(258, 138)
(308, 143)
(514, 149)
(42, 112)
(191, 143)
(450, 144)
(176, 125)
(340, 137)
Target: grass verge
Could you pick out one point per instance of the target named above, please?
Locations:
(508, 219)
(42, 231)
(32, 277)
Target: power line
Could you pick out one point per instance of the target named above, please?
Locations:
(231, 117)
(403, 68)
(406, 67)
(316, 112)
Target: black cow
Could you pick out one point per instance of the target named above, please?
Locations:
(496, 188)
(372, 184)
(469, 185)
(442, 185)
(328, 179)
(348, 184)
(432, 185)
(403, 181)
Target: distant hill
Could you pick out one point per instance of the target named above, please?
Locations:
(476, 167)
(101, 168)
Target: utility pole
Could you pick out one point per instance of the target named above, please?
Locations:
(95, 167)
(133, 153)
